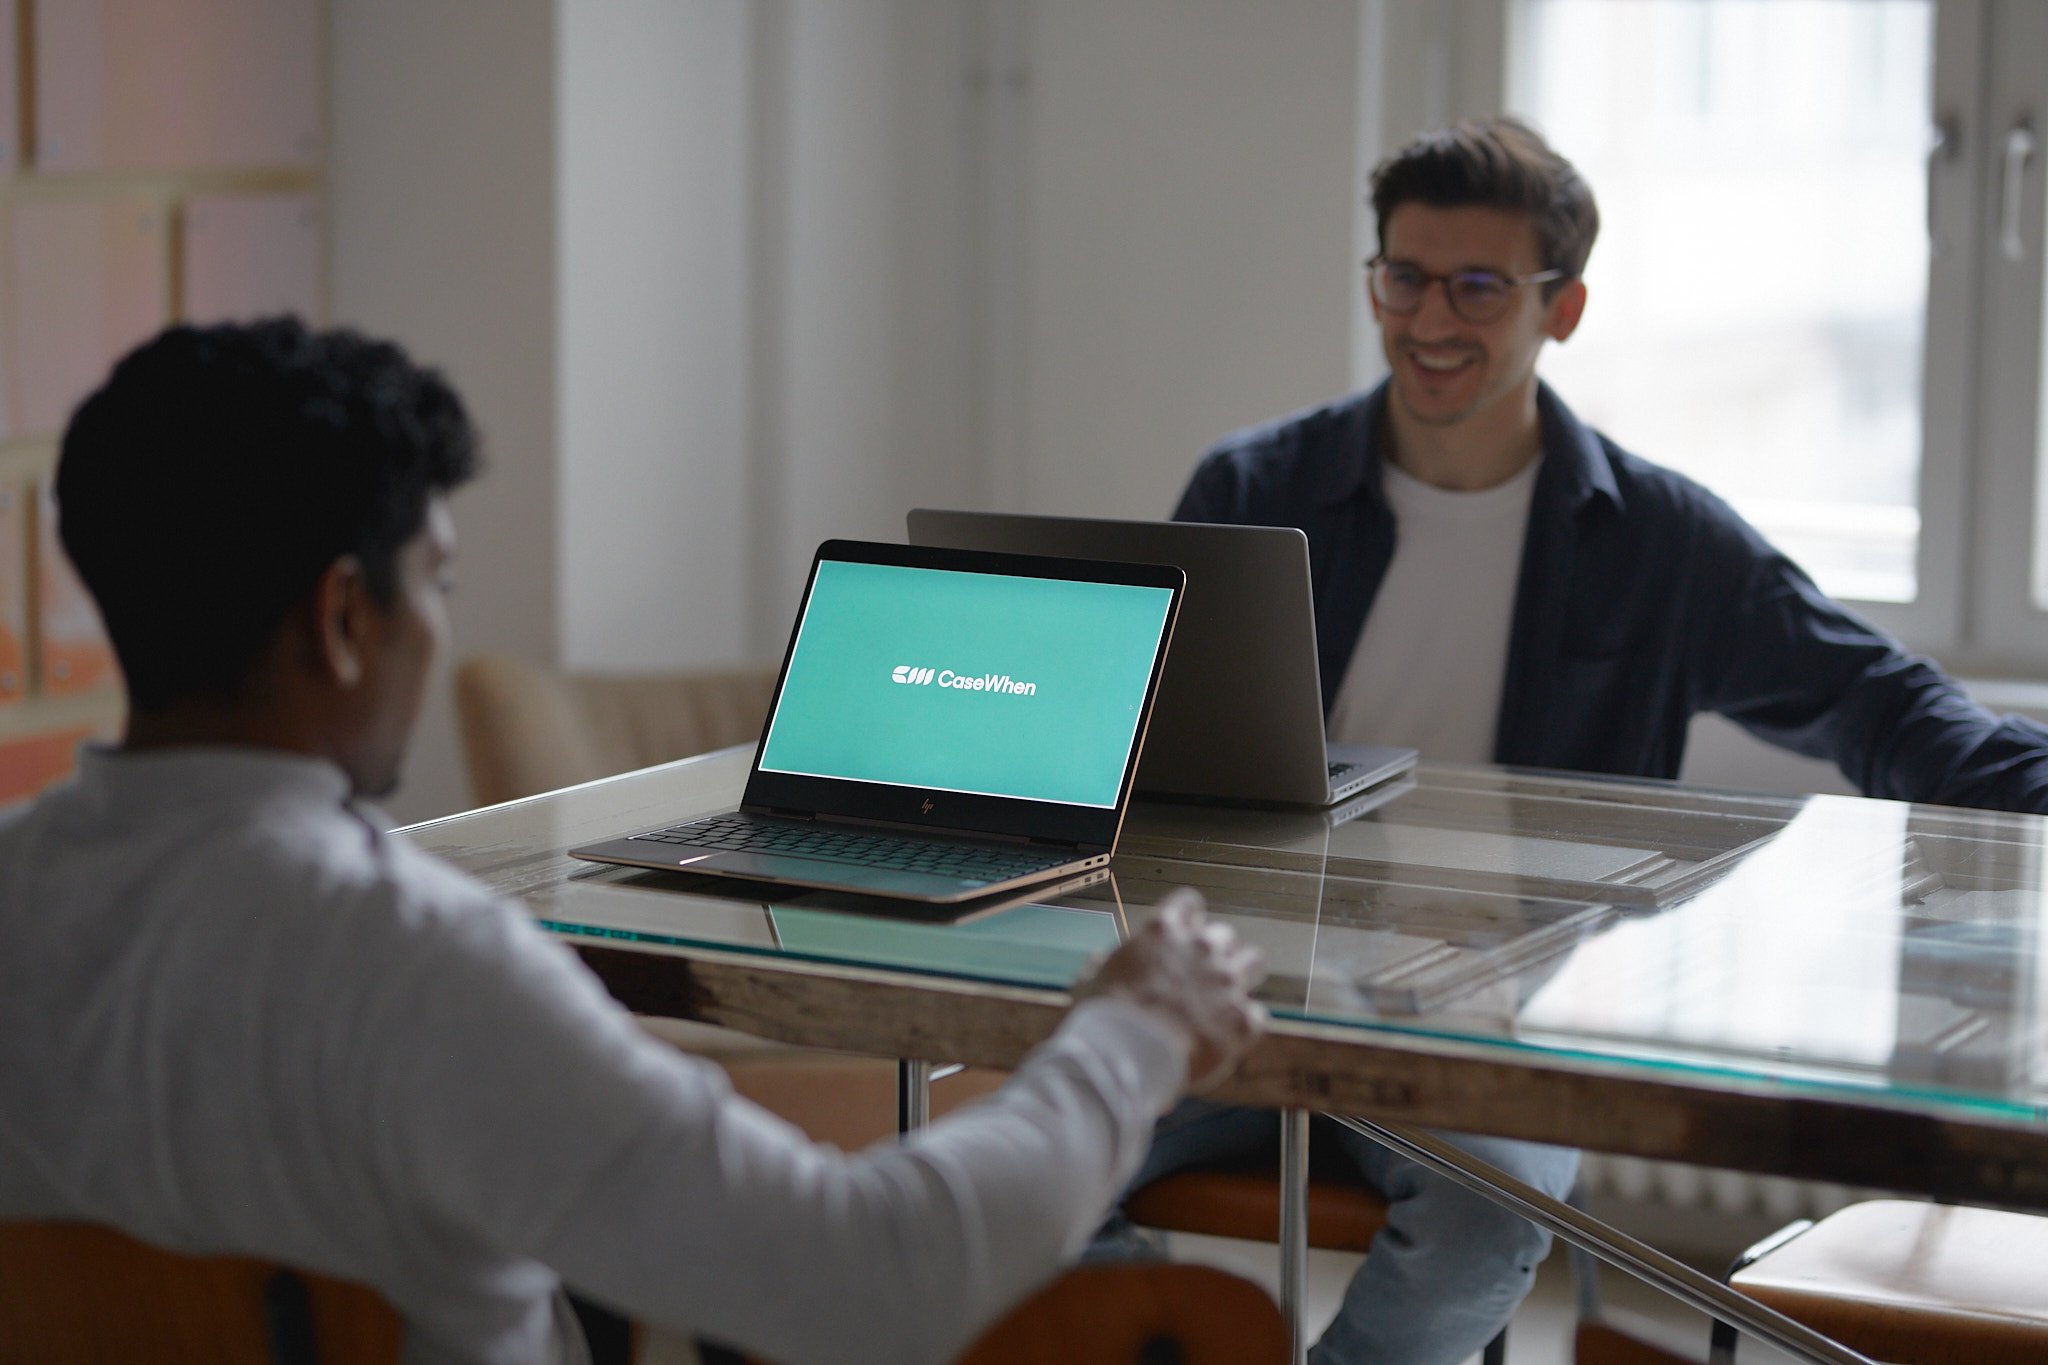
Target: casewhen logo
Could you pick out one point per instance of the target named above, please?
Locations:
(913, 675)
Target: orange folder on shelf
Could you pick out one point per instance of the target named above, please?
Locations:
(13, 593)
(72, 646)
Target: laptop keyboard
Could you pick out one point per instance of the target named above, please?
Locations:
(740, 834)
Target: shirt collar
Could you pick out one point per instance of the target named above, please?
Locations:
(1576, 466)
(210, 774)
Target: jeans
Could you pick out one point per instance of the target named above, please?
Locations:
(1446, 1272)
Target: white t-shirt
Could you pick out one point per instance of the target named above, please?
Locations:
(1431, 662)
(237, 1017)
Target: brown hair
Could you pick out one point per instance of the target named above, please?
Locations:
(1499, 163)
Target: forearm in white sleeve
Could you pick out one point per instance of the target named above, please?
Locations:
(725, 1221)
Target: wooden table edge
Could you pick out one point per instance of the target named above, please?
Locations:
(1439, 1083)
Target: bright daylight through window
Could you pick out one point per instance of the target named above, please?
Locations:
(1760, 284)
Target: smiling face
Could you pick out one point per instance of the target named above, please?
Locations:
(1447, 372)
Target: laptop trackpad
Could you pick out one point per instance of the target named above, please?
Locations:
(874, 881)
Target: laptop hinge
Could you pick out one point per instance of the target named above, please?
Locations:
(904, 827)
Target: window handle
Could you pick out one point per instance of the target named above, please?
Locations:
(1943, 144)
(2019, 150)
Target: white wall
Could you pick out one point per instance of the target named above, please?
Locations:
(869, 370)
(653, 301)
(1188, 192)
(442, 172)
(766, 298)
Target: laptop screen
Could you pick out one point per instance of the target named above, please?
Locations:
(990, 684)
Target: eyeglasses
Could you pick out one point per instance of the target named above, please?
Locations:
(1474, 295)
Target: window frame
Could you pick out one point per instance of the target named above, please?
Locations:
(1983, 501)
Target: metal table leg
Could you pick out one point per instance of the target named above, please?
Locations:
(1294, 1224)
(1645, 1262)
(913, 1095)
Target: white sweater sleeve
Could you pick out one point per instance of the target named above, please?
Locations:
(637, 1174)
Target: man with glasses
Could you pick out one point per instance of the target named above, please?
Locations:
(1497, 582)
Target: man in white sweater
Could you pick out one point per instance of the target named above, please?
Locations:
(235, 1016)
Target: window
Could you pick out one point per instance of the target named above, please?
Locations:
(1818, 287)
(1761, 278)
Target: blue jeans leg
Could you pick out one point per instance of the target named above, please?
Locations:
(1450, 1267)
(1447, 1271)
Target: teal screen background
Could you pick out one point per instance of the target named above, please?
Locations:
(1088, 646)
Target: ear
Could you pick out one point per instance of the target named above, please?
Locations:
(1565, 311)
(1365, 283)
(341, 629)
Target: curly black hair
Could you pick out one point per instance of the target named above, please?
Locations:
(204, 489)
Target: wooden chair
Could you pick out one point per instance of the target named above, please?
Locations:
(1143, 1314)
(1597, 1343)
(1907, 1282)
(1244, 1203)
(91, 1296)
(1135, 1314)
(527, 728)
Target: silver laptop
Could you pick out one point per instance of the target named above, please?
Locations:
(947, 724)
(1240, 713)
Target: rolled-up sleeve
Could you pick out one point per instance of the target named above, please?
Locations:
(1799, 670)
(538, 1116)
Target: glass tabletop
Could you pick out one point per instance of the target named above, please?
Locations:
(1825, 944)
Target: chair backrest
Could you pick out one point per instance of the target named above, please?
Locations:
(527, 728)
(93, 1296)
(1139, 1314)
(1343, 1213)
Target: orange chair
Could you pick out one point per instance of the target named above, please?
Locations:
(1907, 1282)
(1136, 1314)
(1244, 1202)
(1596, 1343)
(91, 1296)
(1139, 1315)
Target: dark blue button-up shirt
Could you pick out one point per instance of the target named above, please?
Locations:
(1643, 599)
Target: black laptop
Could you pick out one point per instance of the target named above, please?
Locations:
(947, 724)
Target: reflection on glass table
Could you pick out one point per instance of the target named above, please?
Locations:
(1830, 989)
(1821, 945)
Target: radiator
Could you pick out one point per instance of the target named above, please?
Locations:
(1680, 1186)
